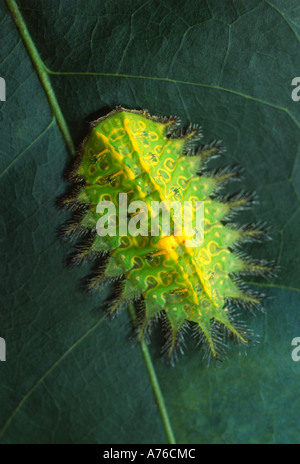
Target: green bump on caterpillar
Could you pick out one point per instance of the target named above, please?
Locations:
(148, 158)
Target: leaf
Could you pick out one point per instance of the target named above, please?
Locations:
(70, 376)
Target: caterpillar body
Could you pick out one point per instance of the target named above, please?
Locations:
(151, 160)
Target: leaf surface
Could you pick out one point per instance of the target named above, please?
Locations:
(70, 376)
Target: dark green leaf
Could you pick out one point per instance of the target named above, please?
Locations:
(70, 376)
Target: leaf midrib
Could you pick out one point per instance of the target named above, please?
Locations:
(41, 72)
(43, 75)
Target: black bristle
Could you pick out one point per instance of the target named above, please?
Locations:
(114, 303)
(69, 200)
(211, 150)
(256, 232)
(83, 251)
(191, 134)
(174, 343)
(259, 268)
(142, 324)
(227, 174)
(96, 279)
(73, 228)
(251, 299)
(71, 173)
(238, 202)
(241, 200)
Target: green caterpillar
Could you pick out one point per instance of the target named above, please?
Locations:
(149, 159)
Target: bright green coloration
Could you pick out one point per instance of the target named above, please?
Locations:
(134, 153)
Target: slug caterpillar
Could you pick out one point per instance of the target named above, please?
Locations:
(150, 159)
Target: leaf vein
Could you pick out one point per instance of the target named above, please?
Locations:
(42, 379)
